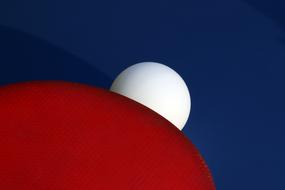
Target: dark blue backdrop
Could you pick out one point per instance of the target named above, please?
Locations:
(230, 52)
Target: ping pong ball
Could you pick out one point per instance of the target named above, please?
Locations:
(159, 88)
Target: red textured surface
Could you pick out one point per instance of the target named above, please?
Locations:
(65, 136)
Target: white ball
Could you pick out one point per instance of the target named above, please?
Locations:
(159, 88)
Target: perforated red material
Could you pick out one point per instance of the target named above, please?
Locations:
(65, 136)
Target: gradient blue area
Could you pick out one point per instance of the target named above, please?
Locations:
(230, 53)
(26, 58)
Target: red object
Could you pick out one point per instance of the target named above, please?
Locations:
(66, 136)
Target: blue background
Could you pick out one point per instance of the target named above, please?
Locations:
(231, 54)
